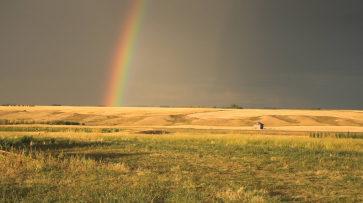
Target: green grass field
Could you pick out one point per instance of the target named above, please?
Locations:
(178, 165)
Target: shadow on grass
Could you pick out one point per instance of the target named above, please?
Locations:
(52, 146)
(63, 146)
(104, 155)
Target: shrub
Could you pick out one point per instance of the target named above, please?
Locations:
(26, 140)
(235, 106)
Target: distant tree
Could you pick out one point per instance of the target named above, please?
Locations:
(235, 106)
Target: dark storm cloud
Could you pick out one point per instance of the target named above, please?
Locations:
(56, 51)
(254, 53)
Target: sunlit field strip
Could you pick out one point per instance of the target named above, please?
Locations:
(236, 139)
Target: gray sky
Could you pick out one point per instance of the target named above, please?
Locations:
(286, 54)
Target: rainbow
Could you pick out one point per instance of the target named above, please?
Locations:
(122, 60)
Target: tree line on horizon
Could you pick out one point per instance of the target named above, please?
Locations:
(232, 106)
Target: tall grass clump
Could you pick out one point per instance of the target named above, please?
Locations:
(29, 121)
(59, 129)
(336, 135)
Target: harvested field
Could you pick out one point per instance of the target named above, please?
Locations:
(204, 118)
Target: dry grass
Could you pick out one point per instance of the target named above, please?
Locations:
(182, 166)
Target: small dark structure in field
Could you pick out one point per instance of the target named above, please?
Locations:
(258, 125)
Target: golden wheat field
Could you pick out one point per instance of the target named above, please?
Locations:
(197, 118)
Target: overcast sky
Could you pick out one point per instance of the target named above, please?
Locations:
(271, 53)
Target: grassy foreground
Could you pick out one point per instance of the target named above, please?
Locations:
(178, 167)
